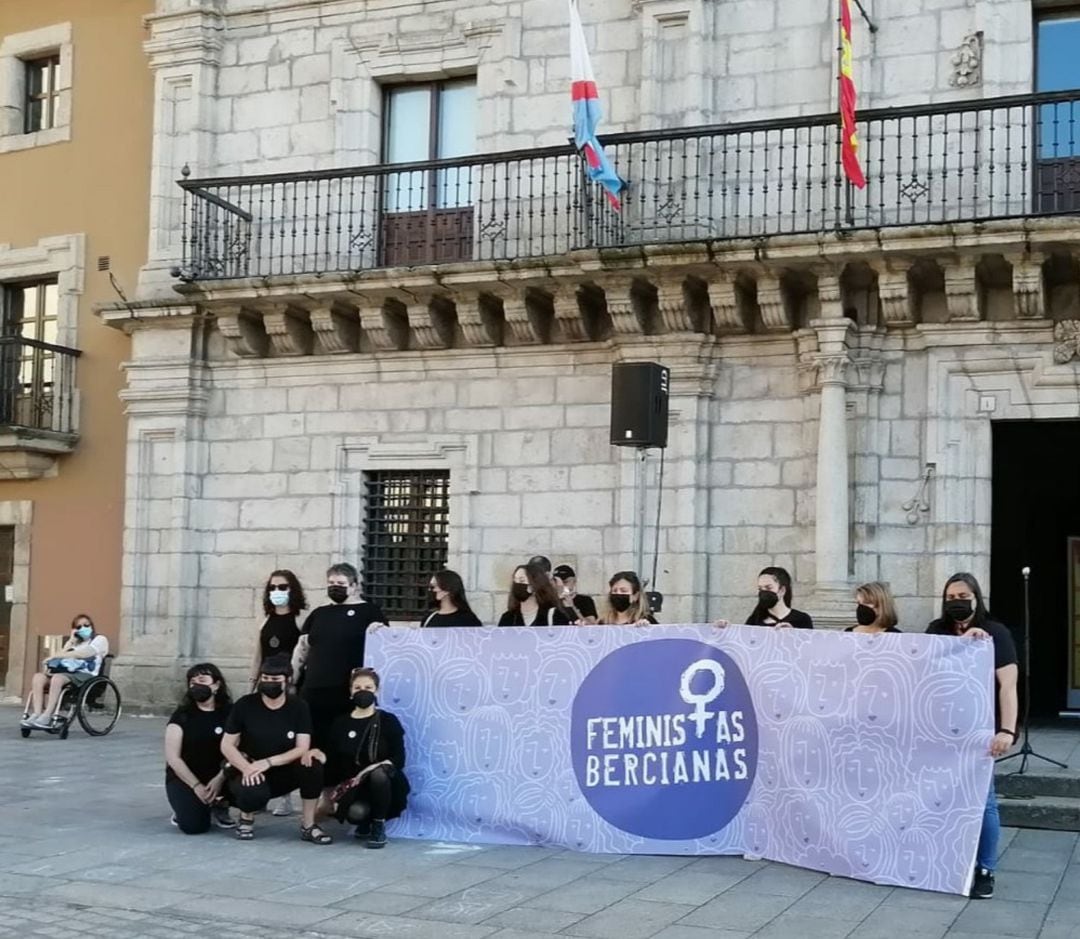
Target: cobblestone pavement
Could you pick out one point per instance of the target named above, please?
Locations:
(86, 850)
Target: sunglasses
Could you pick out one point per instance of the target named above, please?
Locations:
(279, 586)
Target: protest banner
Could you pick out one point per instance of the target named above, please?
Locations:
(859, 755)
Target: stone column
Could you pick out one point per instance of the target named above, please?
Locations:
(832, 539)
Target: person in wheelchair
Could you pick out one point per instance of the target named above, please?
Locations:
(79, 661)
(365, 763)
(194, 778)
(265, 737)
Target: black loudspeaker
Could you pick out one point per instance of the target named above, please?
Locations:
(639, 404)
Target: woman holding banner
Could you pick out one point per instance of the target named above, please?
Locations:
(964, 613)
(626, 604)
(446, 593)
(774, 603)
(532, 600)
(875, 610)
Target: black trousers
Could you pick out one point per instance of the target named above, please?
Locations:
(279, 781)
(371, 799)
(326, 706)
(192, 814)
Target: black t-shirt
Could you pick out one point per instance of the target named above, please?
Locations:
(1004, 652)
(264, 731)
(336, 636)
(796, 619)
(648, 617)
(887, 629)
(200, 748)
(585, 606)
(349, 745)
(457, 618)
(279, 635)
(545, 616)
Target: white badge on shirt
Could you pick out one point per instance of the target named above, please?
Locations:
(352, 733)
(351, 613)
(290, 735)
(217, 730)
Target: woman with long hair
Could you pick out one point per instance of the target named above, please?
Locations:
(283, 601)
(194, 778)
(533, 600)
(875, 610)
(774, 599)
(446, 592)
(627, 604)
(964, 613)
(80, 660)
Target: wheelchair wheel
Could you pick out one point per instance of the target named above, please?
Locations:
(64, 731)
(98, 707)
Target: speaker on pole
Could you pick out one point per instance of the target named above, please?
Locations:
(639, 405)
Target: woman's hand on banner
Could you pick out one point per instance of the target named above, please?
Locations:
(1001, 744)
(721, 623)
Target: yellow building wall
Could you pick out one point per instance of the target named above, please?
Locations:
(97, 184)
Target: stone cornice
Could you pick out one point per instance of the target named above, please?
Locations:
(129, 317)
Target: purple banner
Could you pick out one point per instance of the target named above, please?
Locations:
(864, 756)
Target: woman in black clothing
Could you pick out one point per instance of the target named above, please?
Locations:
(365, 763)
(447, 594)
(265, 737)
(774, 599)
(627, 605)
(875, 610)
(193, 775)
(532, 600)
(331, 646)
(283, 602)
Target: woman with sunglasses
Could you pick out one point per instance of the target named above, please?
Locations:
(194, 778)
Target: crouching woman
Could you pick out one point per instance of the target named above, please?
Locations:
(365, 763)
(266, 736)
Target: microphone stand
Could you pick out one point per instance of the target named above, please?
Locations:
(1026, 751)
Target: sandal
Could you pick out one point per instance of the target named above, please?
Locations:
(245, 829)
(315, 835)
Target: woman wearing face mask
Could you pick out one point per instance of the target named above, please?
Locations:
(963, 613)
(447, 595)
(875, 610)
(266, 735)
(283, 602)
(365, 763)
(79, 661)
(532, 600)
(332, 645)
(774, 599)
(627, 605)
(194, 778)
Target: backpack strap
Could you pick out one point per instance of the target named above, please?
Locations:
(551, 616)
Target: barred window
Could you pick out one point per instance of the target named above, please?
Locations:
(406, 515)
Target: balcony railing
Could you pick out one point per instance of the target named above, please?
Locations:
(963, 162)
(37, 386)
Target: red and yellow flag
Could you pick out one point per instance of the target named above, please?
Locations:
(849, 144)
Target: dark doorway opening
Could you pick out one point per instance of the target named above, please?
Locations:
(1036, 509)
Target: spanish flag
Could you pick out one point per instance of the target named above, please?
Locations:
(849, 144)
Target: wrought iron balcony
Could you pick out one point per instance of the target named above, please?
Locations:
(37, 388)
(969, 161)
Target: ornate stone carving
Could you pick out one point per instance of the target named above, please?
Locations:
(672, 307)
(622, 308)
(431, 322)
(517, 319)
(774, 304)
(288, 329)
(962, 294)
(244, 332)
(336, 327)
(830, 295)
(376, 325)
(896, 295)
(967, 62)
(1067, 341)
(480, 320)
(833, 369)
(569, 322)
(1029, 291)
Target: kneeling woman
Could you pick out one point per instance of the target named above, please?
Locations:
(267, 734)
(366, 763)
(194, 778)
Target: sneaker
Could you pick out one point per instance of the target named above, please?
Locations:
(377, 838)
(363, 831)
(283, 807)
(28, 720)
(222, 817)
(41, 722)
(983, 887)
(172, 821)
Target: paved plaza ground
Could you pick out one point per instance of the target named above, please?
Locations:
(86, 850)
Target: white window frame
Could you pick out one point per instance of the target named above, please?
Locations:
(15, 51)
(61, 257)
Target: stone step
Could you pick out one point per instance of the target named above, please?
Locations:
(1055, 785)
(1055, 813)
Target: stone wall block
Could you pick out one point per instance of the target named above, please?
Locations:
(288, 329)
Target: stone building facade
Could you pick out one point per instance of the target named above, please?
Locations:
(838, 359)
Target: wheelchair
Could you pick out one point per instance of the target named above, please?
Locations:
(95, 705)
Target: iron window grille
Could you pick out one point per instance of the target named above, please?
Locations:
(42, 94)
(406, 521)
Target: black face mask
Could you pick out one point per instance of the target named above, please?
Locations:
(432, 600)
(767, 599)
(958, 610)
(271, 689)
(363, 699)
(865, 615)
(200, 693)
(520, 592)
(620, 602)
(337, 593)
